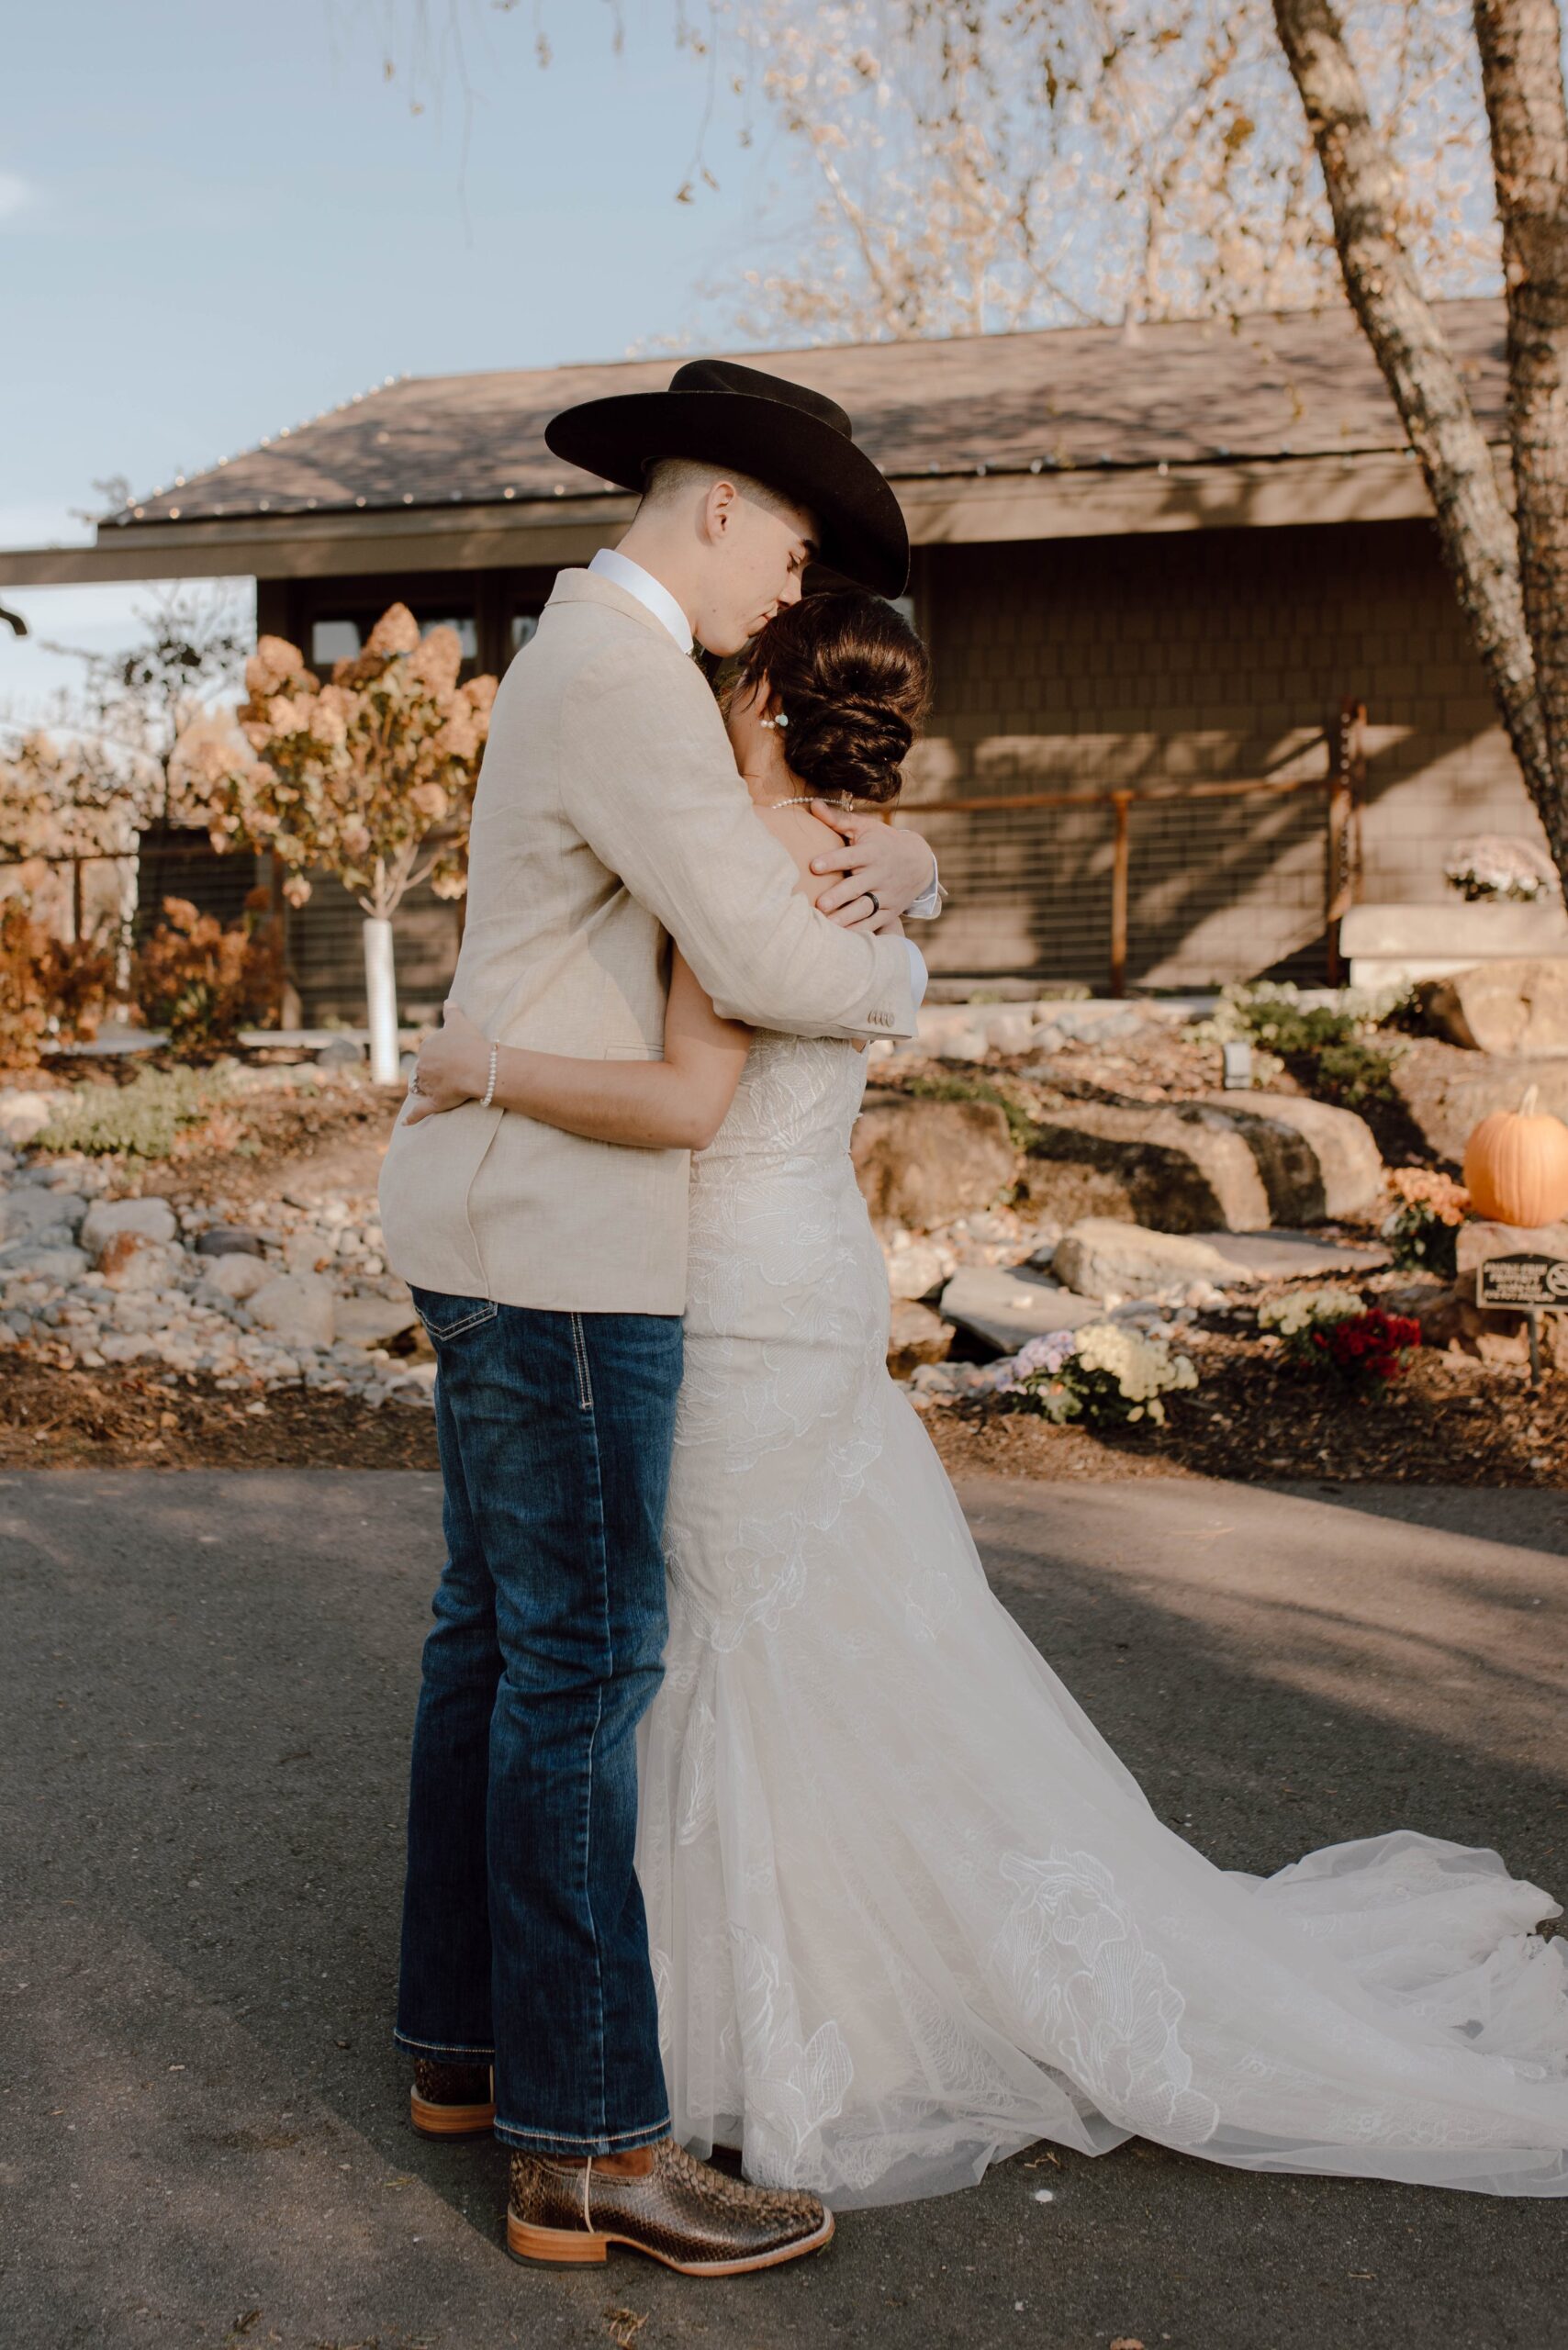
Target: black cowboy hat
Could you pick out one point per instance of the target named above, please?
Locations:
(780, 433)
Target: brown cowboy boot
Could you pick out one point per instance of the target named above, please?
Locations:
(452, 2100)
(659, 2201)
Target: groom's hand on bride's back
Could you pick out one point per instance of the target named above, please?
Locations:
(876, 860)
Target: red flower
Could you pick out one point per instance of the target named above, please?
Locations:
(1370, 1347)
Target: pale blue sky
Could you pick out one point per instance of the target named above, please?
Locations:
(216, 218)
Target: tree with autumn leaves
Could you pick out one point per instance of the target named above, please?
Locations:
(369, 779)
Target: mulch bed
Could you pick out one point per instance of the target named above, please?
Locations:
(52, 1418)
(1451, 1422)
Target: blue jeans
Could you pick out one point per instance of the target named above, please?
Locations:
(524, 1932)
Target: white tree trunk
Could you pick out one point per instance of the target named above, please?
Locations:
(381, 992)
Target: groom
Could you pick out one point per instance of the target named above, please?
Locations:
(550, 1273)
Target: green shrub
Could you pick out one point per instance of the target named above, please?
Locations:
(1333, 1048)
(141, 1120)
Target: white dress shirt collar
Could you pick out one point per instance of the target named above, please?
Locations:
(650, 592)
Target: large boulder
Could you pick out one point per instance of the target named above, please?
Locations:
(1185, 1167)
(1102, 1259)
(1446, 1092)
(1334, 1169)
(1517, 1006)
(921, 1163)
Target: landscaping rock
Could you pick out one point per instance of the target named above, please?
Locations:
(921, 1163)
(370, 1321)
(916, 1267)
(228, 1240)
(1101, 1260)
(131, 1260)
(966, 1044)
(1517, 1006)
(1004, 1308)
(343, 1052)
(152, 1217)
(1476, 1242)
(48, 1257)
(309, 1250)
(298, 1308)
(1292, 1256)
(1185, 1167)
(34, 1207)
(1345, 1169)
(23, 1116)
(1446, 1092)
(236, 1276)
(916, 1335)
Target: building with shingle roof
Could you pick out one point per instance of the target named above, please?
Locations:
(1154, 567)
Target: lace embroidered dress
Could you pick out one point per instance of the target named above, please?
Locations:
(907, 1910)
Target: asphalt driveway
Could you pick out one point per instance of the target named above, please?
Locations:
(207, 1682)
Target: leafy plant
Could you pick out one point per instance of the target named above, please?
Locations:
(1424, 1226)
(1330, 1332)
(1104, 1373)
(144, 1119)
(203, 983)
(1330, 1047)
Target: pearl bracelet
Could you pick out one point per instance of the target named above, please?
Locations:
(490, 1093)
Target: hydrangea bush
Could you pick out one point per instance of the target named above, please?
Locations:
(1104, 1373)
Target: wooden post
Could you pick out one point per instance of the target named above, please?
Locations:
(1121, 846)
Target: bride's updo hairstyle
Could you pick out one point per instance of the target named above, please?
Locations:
(852, 682)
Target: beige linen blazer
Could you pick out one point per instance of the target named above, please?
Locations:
(609, 818)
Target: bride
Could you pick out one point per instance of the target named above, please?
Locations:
(907, 1910)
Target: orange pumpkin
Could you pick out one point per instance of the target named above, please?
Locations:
(1516, 1166)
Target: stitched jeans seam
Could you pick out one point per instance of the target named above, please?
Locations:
(579, 1354)
(609, 1666)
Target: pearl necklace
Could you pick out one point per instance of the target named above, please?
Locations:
(807, 800)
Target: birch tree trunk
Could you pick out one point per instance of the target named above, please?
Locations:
(1478, 535)
(1521, 66)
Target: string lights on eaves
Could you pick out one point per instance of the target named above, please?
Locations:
(138, 513)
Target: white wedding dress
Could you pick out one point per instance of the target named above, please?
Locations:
(908, 1913)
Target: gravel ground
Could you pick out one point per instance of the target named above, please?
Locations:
(207, 1682)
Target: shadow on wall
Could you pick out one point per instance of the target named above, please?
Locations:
(1214, 653)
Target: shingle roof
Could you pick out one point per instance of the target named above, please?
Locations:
(1298, 384)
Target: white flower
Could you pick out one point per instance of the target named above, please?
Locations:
(1290, 1315)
